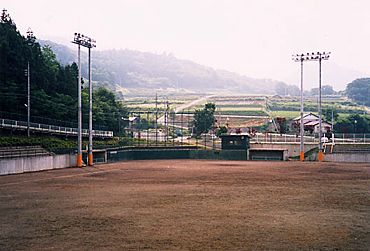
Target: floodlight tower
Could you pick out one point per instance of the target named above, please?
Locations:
(91, 44)
(300, 58)
(30, 41)
(319, 56)
(82, 40)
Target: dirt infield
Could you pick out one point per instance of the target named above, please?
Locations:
(188, 205)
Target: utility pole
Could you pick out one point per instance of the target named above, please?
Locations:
(85, 41)
(311, 57)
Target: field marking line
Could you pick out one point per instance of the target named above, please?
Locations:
(62, 176)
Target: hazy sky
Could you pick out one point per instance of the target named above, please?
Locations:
(254, 38)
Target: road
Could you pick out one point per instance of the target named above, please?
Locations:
(182, 107)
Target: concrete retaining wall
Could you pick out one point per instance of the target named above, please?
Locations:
(119, 155)
(292, 149)
(36, 163)
(348, 157)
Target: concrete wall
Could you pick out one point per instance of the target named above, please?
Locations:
(348, 157)
(292, 148)
(36, 163)
(119, 155)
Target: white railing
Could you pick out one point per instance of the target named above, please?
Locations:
(291, 138)
(22, 125)
(280, 138)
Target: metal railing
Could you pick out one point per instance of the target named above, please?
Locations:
(293, 138)
(52, 129)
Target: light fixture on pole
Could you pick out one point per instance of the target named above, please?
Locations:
(30, 41)
(314, 56)
(321, 56)
(82, 40)
(300, 58)
(90, 44)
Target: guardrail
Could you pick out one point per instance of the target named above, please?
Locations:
(22, 125)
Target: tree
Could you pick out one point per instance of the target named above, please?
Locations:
(325, 90)
(281, 89)
(284, 89)
(282, 124)
(107, 111)
(328, 112)
(359, 91)
(221, 130)
(293, 90)
(53, 86)
(353, 124)
(204, 119)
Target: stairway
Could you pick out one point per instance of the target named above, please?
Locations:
(22, 151)
(348, 148)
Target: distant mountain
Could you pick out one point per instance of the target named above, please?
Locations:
(133, 72)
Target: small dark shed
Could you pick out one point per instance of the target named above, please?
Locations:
(234, 141)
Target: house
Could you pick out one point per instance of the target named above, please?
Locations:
(308, 117)
(314, 126)
(311, 123)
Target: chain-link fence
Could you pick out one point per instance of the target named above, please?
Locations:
(167, 129)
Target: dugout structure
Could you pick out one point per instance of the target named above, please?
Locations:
(235, 141)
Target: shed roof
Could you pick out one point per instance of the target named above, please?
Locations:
(313, 123)
(307, 116)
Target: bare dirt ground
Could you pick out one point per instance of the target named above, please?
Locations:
(188, 205)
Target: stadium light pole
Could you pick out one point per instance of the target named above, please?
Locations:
(85, 41)
(77, 40)
(321, 56)
(300, 58)
(318, 56)
(90, 44)
(30, 40)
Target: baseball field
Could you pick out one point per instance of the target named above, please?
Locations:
(188, 205)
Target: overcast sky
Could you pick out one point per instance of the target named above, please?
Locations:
(254, 38)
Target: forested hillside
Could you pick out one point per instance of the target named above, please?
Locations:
(53, 85)
(133, 72)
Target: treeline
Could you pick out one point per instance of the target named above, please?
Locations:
(359, 91)
(53, 86)
(354, 123)
(293, 90)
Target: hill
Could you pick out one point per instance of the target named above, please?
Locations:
(133, 72)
